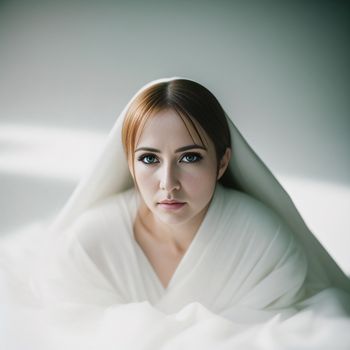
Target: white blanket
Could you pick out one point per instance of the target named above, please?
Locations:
(242, 283)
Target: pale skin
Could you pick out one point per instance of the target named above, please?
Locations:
(164, 170)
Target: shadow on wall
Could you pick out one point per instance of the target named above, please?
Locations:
(25, 200)
(39, 168)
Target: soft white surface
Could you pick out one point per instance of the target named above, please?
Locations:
(325, 208)
(77, 304)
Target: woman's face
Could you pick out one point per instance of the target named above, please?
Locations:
(171, 166)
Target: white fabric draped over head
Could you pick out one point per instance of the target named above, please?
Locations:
(88, 284)
(110, 175)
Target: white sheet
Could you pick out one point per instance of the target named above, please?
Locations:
(96, 289)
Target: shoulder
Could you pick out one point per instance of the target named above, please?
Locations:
(248, 206)
(117, 199)
(256, 217)
(107, 206)
(100, 220)
(261, 239)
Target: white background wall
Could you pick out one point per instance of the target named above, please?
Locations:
(67, 68)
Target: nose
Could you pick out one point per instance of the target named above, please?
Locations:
(169, 180)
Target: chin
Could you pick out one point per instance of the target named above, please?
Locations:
(172, 219)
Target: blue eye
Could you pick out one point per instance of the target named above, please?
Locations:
(148, 159)
(191, 158)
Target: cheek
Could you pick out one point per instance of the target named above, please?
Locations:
(198, 178)
(145, 177)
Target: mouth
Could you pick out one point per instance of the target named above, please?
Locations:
(171, 204)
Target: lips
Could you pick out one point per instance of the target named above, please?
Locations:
(171, 204)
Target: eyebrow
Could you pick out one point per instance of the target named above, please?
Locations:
(181, 149)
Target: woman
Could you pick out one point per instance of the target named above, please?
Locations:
(180, 222)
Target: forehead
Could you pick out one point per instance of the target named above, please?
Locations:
(169, 124)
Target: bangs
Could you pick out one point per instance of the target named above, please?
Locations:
(190, 125)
